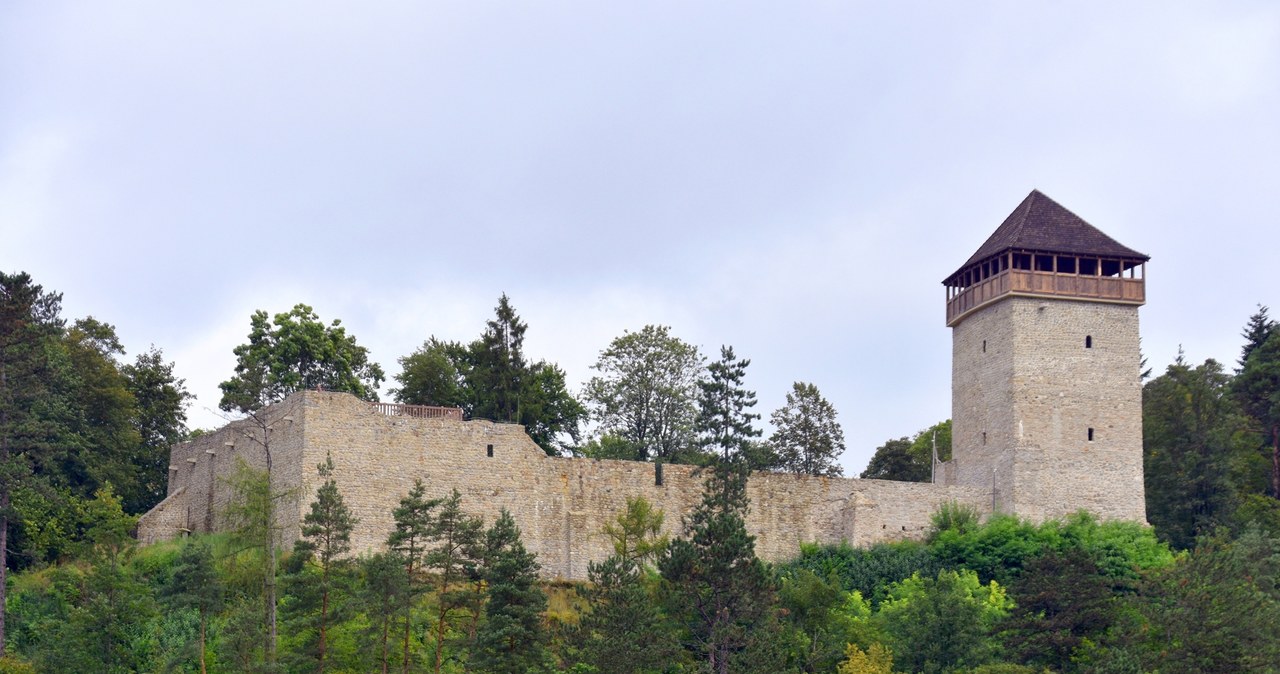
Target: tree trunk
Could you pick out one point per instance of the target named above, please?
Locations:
(4, 517)
(270, 580)
(204, 619)
(1275, 467)
(324, 615)
(386, 632)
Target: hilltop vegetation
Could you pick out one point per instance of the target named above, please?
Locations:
(84, 439)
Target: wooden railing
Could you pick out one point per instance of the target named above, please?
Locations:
(1048, 284)
(417, 411)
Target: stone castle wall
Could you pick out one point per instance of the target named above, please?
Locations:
(561, 504)
(1025, 392)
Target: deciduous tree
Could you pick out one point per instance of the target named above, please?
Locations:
(806, 437)
(646, 390)
(294, 351)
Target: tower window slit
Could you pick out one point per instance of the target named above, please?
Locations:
(489, 451)
(1090, 435)
(1088, 341)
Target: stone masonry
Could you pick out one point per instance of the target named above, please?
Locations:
(561, 504)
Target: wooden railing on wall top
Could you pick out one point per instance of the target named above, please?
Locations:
(417, 411)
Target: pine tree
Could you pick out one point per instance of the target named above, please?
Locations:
(196, 584)
(511, 640)
(381, 594)
(807, 439)
(412, 534)
(724, 423)
(716, 586)
(625, 632)
(454, 559)
(326, 538)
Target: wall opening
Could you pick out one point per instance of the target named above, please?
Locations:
(1088, 341)
(984, 346)
(489, 451)
(1090, 435)
(984, 437)
(657, 473)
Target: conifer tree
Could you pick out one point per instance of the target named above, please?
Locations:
(1258, 388)
(512, 639)
(454, 559)
(1256, 331)
(807, 439)
(196, 584)
(412, 534)
(381, 595)
(724, 423)
(326, 538)
(716, 586)
(625, 632)
(499, 369)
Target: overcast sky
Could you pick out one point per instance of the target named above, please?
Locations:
(793, 179)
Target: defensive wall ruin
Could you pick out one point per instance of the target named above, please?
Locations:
(561, 504)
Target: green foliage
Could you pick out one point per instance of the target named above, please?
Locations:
(413, 532)
(195, 585)
(1192, 432)
(923, 442)
(636, 533)
(826, 618)
(942, 624)
(625, 631)
(952, 516)
(1258, 389)
(807, 439)
(1064, 604)
(512, 639)
(160, 419)
(894, 461)
(432, 375)
(320, 589)
(725, 424)
(998, 549)
(1215, 610)
(715, 584)
(295, 351)
(644, 393)
(865, 571)
(459, 539)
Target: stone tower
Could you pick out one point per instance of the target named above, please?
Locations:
(1046, 395)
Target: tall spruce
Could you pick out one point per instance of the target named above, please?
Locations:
(807, 439)
(725, 422)
(1256, 331)
(715, 585)
(1191, 428)
(413, 532)
(326, 539)
(499, 369)
(511, 640)
(1258, 389)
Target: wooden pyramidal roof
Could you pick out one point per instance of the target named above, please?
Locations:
(1043, 225)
